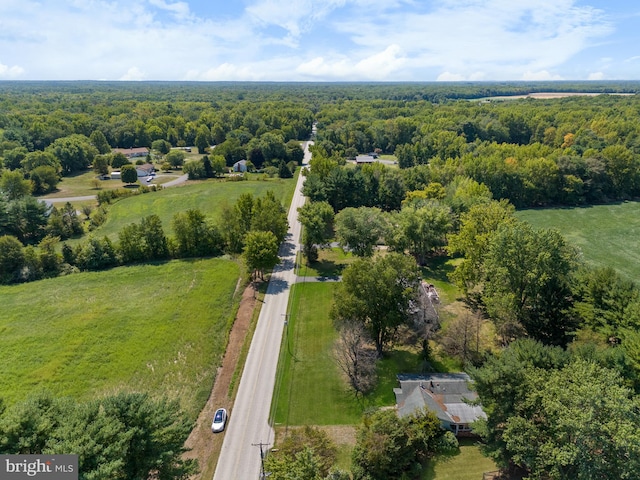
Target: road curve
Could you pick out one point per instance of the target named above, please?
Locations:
(248, 426)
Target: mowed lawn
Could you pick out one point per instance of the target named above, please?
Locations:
(466, 464)
(309, 389)
(208, 196)
(160, 328)
(608, 235)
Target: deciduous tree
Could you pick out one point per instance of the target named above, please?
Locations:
(360, 229)
(377, 292)
(260, 252)
(527, 282)
(14, 185)
(11, 259)
(317, 222)
(128, 174)
(577, 422)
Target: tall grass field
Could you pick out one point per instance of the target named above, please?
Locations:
(607, 235)
(159, 328)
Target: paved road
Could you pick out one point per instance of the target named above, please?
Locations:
(249, 419)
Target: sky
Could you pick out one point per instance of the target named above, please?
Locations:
(320, 40)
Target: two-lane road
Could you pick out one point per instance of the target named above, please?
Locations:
(249, 419)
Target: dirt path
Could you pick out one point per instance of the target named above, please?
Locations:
(205, 446)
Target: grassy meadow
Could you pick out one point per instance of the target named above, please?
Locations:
(208, 196)
(607, 235)
(158, 328)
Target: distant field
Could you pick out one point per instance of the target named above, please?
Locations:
(608, 235)
(155, 328)
(207, 196)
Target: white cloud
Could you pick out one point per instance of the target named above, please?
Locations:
(134, 73)
(179, 9)
(596, 76)
(299, 40)
(540, 75)
(450, 77)
(379, 66)
(226, 71)
(10, 72)
(498, 37)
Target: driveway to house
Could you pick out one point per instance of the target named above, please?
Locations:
(87, 198)
(248, 432)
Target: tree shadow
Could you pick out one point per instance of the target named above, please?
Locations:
(438, 268)
(328, 268)
(276, 286)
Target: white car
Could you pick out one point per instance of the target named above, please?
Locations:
(219, 420)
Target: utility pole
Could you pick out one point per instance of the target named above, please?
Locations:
(286, 324)
(263, 474)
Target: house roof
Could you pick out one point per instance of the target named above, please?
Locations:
(365, 159)
(147, 167)
(132, 152)
(446, 394)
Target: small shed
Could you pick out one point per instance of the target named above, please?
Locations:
(240, 166)
(364, 159)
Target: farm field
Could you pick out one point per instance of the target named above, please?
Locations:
(157, 328)
(207, 196)
(608, 235)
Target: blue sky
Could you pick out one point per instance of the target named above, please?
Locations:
(320, 40)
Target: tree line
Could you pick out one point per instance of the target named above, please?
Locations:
(253, 227)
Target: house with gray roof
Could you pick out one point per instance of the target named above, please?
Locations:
(446, 394)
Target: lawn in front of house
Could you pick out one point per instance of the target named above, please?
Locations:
(331, 262)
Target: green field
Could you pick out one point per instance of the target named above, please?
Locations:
(207, 196)
(155, 328)
(310, 390)
(608, 235)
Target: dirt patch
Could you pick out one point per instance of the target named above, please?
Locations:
(203, 444)
(341, 434)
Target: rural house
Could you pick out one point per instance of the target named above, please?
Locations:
(144, 170)
(132, 152)
(446, 394)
